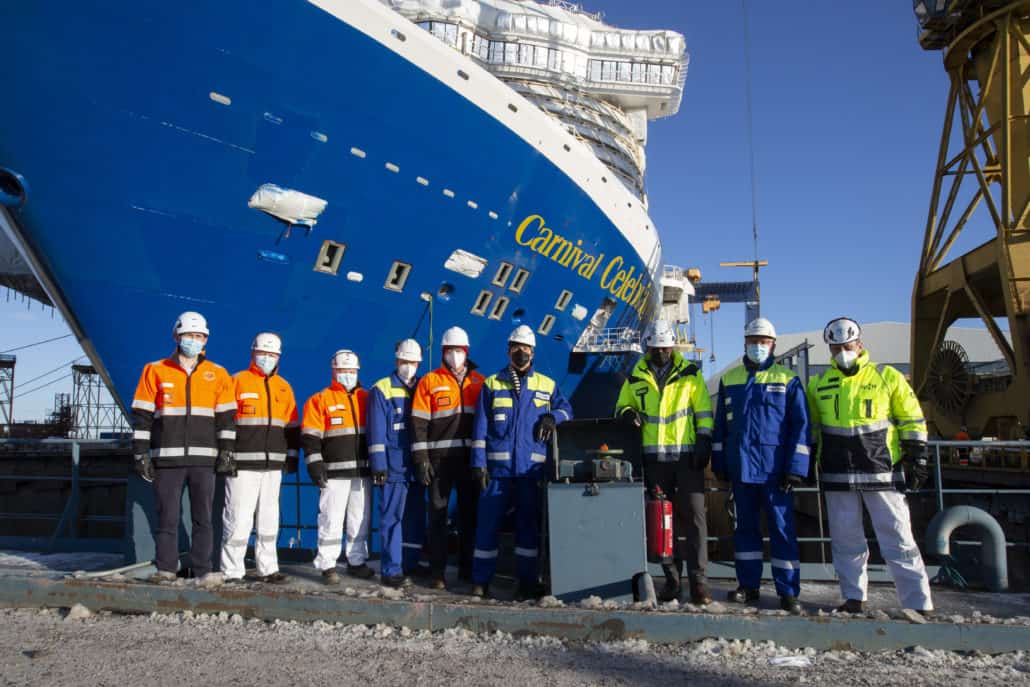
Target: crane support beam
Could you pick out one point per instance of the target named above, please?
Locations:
(987, 58)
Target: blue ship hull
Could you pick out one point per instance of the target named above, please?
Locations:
(138, 181)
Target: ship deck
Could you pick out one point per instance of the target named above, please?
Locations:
(965, 621)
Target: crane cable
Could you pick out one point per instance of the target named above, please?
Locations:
(750, 127)
(38, 343)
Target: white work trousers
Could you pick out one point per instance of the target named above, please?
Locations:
(250, 490)
(892, 524)
(344, 502)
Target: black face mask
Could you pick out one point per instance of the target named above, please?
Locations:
(660, 357)
(520, 359)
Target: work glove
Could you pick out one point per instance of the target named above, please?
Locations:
(426, 473)
(791, 482)
(143, 466)
(630, 417)
(291, 465)
(702, 454)
(379, 477)
(913, 456)
(319, 474)
(483, 477)
(544, 429)
(225, 464)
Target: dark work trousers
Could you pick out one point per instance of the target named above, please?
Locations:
(685, 488)
(452, 475)
(168, 485)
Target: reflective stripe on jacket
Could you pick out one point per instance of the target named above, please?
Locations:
(673, 417)
(334, 431)
(389, 414)
(503, 439)
(859, 420)
(761, 424)
(267, 422)
(441, 416)
(183, 419)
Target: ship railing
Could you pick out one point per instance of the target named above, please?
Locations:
(939, 451)
(611, 340)
(575, 8)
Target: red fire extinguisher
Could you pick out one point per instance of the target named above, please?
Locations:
(658, 511)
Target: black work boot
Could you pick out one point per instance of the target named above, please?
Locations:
(362, 572)
(790, 604)
(396, 581)
(331, 577)
(671, 590)
(699, 595)
(480, 590)
(851, 606)
(528, 591)
(743, 595)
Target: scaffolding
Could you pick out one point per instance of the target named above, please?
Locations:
(7, 393)
(92, 417)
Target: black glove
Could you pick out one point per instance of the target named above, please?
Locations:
(483, 477)
(319, 474)
(913, 455)
(702, 455)
(544, 429)
(143, 466)
(426, 473)
(291, 465)
(630, 417)
(379, 477)
(791, 482)
(225, 464)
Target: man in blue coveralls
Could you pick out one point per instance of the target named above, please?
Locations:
(402, 508)
(517, 413)
(760, 446)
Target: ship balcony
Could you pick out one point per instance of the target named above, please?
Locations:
(676, 287)
(611, 340)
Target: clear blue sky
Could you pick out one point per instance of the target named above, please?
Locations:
(847, 112)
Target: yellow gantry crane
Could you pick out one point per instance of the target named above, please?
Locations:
(983, 165)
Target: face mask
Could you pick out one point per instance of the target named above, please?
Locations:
(845, 359)
(406, 371)
(190, 348)
(455, 359)
(660, 357)
(757, 353)
(348, 379)
(265, 363)
(520, 359)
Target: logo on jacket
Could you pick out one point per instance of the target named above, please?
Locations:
(209, 376)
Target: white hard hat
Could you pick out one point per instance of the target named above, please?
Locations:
(841, 331)
(190, 323)
(345, 359)
(760, 327)
(523, 335)
(267, 342)
(455, 336)
(659, 335)
(408, 350)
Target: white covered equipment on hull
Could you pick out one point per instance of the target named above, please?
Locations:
(292, 207)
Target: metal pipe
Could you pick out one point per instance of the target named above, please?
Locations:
(939, 482)
(995, 564)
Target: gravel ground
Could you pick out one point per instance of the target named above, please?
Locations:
(53, 647)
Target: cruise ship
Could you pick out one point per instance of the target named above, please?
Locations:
(344, 172)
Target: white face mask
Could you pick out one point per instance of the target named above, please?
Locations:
(757, 353)
(348, 379)
(265, 363)
(455, 358)
(406, 371)
(845, 359)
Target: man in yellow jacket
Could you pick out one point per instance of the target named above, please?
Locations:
(867, 424)
(665, 396)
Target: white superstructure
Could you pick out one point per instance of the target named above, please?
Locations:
(602, 83)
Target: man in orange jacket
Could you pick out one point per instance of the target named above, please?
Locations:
(183, 420)
(267, 443)
(442, 411)
(336, 453)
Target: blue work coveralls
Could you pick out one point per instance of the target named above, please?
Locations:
(761, 435)
(402, 510)
(504, 442)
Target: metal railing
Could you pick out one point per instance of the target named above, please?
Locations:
(611, 340)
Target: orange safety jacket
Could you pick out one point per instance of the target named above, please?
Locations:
(442, 412)
(183, 419)
(334, 431)
(267, 422)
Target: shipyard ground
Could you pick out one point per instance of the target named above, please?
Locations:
(186, 639)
